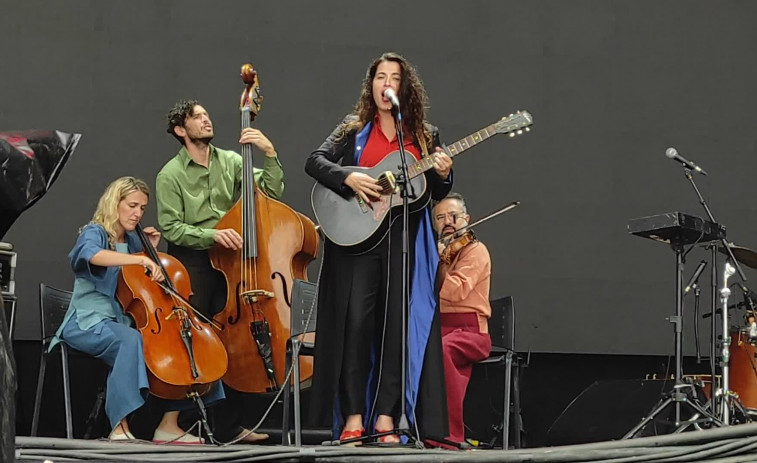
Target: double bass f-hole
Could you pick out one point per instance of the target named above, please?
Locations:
(233, 319)
(284, 287)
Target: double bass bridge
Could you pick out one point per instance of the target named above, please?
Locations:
(254, 294)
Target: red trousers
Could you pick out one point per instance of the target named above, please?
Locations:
(463, 345)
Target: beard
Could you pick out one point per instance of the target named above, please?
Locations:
(202, 140)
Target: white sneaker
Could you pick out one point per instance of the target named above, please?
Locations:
(163, 437)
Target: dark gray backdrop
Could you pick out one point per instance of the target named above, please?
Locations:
(611, 85)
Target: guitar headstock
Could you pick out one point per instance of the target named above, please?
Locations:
(515, 124)
(251, 99)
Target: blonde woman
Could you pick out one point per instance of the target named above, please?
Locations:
(95, 323)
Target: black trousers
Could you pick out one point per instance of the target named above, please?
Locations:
(374, 324)
(229, 416)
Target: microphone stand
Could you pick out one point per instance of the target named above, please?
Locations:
(694, 284)
(723, 242)
(696, 324)
(403, 426)
(725, 396)
(713, 324)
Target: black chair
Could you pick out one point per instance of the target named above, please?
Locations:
(53, 304)
(9, 305)
(502, 332)
(302, 321)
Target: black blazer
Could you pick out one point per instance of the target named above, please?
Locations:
(325, 164)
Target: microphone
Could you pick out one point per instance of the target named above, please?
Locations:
(693, 281)
(390, 95)
(672, 153)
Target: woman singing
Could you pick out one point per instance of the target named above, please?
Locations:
(359, 325)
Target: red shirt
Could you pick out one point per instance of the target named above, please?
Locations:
(378, 146)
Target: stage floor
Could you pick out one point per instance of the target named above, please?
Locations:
(723, 445)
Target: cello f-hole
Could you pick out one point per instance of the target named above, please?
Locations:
(158, 314)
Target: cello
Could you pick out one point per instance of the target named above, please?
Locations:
(183, 356)
(278, 244)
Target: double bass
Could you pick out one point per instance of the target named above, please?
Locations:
(278, 244)
(182, 354)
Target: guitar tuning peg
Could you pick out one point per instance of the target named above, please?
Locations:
(520, 132)
(511, 115)
(527, 129)
(512, 134)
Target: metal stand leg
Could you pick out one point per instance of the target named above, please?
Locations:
(296, 373)
(516, 412)
(203, 415)
(66, 390)
(286, 439)
(40, 387)
(94, 415)
(506, 408)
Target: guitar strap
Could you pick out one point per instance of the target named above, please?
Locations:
(422, 143)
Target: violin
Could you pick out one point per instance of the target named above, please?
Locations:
(182, 354)
(461, 238)
(454, 244)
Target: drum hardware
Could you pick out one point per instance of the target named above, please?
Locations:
(744, 255)
(730, 407)
(725, 395)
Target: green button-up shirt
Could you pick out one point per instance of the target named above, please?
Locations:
(192, 198)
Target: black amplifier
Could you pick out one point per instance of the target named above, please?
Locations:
(7, 271)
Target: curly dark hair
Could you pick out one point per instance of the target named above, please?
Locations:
(178, 115)
(412, 98)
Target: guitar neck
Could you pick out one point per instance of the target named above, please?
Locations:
(453, 150)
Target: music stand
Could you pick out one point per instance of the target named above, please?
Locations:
(679, 230)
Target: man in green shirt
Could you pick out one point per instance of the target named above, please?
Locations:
(194, 190)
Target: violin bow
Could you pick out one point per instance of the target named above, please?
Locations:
(461, 231)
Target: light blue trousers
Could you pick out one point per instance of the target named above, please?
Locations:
(120, 346)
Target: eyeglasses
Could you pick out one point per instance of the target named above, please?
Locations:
(452, 215)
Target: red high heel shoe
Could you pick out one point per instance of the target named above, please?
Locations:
(389, 438)
(351, 435)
